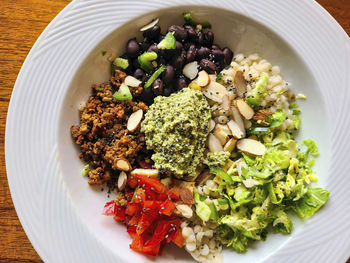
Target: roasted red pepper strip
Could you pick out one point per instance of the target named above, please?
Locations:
(139, 196)
(173, 193)
(119, 214)
(132, 209)
(154, 184)
(109, 208)
(132, 181)
(177, 238)
(167, 207)
(164, 229)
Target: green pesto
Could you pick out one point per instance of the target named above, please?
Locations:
(217, 159)
(176, 129)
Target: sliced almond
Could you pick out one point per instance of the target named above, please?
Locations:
(153, 173)
(212, 125)
(214, 144)
(185, 210)
(244, 109)
(134, 120)
(235, 129)
(240, 84)
(225, 105)
(252, 147)
(190, 70)
(123, 164)
(230, 145)
(132, 82)
(247, 124)
(150, 25)
(249, 183)
(203, 78)
(239, 166)
(122, 179)
(215, 91)
(221, 134)
(238, 119)
(212, 77)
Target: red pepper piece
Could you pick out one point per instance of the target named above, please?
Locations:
(132, 209)
(173, 193)
(132, 231)
(119, 214)
(151, 250)
(165, 228)
(139, 196)
(154, 184)
(129, 195)
(132, 181)
(150, 193)
(167, 207)
(177, 238)
(109, 208)
(150, 212)
(137, 244)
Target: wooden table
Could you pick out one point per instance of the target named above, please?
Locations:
(21, 22)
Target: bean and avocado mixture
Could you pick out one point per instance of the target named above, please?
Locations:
(198, 144)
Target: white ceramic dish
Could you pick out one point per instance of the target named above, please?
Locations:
(61, 214)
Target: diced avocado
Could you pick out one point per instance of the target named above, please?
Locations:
(194, 22)
(123, 93)
(154, 76)
(259, 92)
(146, 59)
(168, 42)
(121, 63)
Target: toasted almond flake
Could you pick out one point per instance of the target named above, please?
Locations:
(123, 164)
(244, 109)
(154, 173)
(222, 134)
(252, 147)
(185, 210)
(249, 183)
(132, 82)
(122, 180)
(240, 84)
(247, 124)
(225, 105)
(203, 78)
(212, 77)
(212, 125)
(150, 25)
(239, 166)
(214, 144)
(235, 129)
(215, 91)
(230, 145)
(134, 120)
(238, 119)
(190, 70)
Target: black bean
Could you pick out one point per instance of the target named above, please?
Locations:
(162, 61)
(135, 63)
(208, 66)
(203, 52)
(215, 46)
(228, 55)
(132, 48)
(191, 54)
(157, 87)
(168, 89)
(159, 38)
(140, 75)
(218, 55)
(191, 33)
(177, 62)
(147, 96)
(152, 33)
(200, 38)
(187, 45)
(179, 32)
(153, 48)
(180, 84)
(208, 39)
(168, 74)
(144, 46)
(179, 47)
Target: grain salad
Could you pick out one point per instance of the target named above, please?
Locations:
(198, 144)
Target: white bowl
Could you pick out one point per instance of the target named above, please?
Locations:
(62, 216)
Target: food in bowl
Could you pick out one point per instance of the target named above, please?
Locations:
(198, 144)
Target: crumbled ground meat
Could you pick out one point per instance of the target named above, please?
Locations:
(102, 135)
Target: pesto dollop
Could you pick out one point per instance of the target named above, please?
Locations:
(176, 129)
(217, 158)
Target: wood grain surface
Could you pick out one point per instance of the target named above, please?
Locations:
(21, 22)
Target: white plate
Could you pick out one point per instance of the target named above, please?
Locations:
(61, 214)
